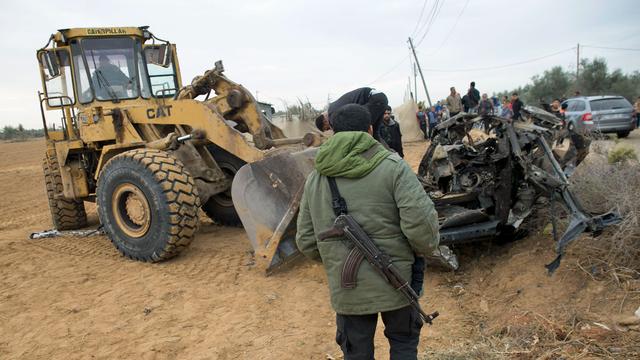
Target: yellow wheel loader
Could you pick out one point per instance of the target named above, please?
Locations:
(125, 133)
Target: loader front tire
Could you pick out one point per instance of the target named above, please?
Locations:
(66, 214)
(220, 206)
(148, 204)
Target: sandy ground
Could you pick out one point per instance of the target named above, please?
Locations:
(77, 298)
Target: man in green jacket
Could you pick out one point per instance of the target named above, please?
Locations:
(386, 199)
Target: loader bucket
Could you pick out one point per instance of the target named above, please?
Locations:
(266, 195)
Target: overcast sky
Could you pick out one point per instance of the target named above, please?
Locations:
(283, 50)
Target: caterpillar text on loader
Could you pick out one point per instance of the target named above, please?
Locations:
(138, 143)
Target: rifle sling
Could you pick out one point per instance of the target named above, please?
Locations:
(338, 203)
(349, 276)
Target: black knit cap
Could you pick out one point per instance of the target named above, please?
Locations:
(351, 117)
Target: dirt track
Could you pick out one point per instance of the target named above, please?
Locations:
(68, 298)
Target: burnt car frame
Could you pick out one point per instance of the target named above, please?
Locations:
(486, 186)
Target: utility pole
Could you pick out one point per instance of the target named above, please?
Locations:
(413, 50)
(415, 81)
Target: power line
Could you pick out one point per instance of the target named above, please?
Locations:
(505, 65)
(427, 19)
(625, 38)
(435, 10)
(609, 48)
(424, 5)
(390, 70)
(452, 28)
(427, 25)
(419, 29)
(393, 68)
(499, 66)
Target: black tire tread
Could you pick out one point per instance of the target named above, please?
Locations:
(180, 194)
(66, 214)
(623, 134)
(220, 215)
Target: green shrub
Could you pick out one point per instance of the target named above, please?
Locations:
(621, 153)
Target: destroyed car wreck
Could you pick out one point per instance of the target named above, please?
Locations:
(485, 175)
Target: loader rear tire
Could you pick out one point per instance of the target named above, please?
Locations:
(66, 214)
(220, 206)
(148, 204)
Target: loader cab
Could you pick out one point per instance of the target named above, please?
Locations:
(101, 67)
(122, 68)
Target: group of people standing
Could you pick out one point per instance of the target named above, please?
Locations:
(386, 129)
(472, 102)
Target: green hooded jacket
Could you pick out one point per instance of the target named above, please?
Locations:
(387, 200)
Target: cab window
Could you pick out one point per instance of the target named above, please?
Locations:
(58, 89)
(83, 83)
(107, 70)
(162, 79)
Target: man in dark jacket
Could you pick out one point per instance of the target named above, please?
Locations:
(385, 197)
(421, 117)
(390, 132)
(516, 106)
(465, 103)
(474, 97)
(486, 106)
(375, 101)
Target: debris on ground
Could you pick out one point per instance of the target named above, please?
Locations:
(74, 233)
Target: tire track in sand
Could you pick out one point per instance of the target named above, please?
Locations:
(216, 255)
(91, 246)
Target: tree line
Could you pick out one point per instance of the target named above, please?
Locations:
(594, 79)
(9, 132)
(303, 111)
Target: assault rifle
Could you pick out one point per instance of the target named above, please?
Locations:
(345, 225)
